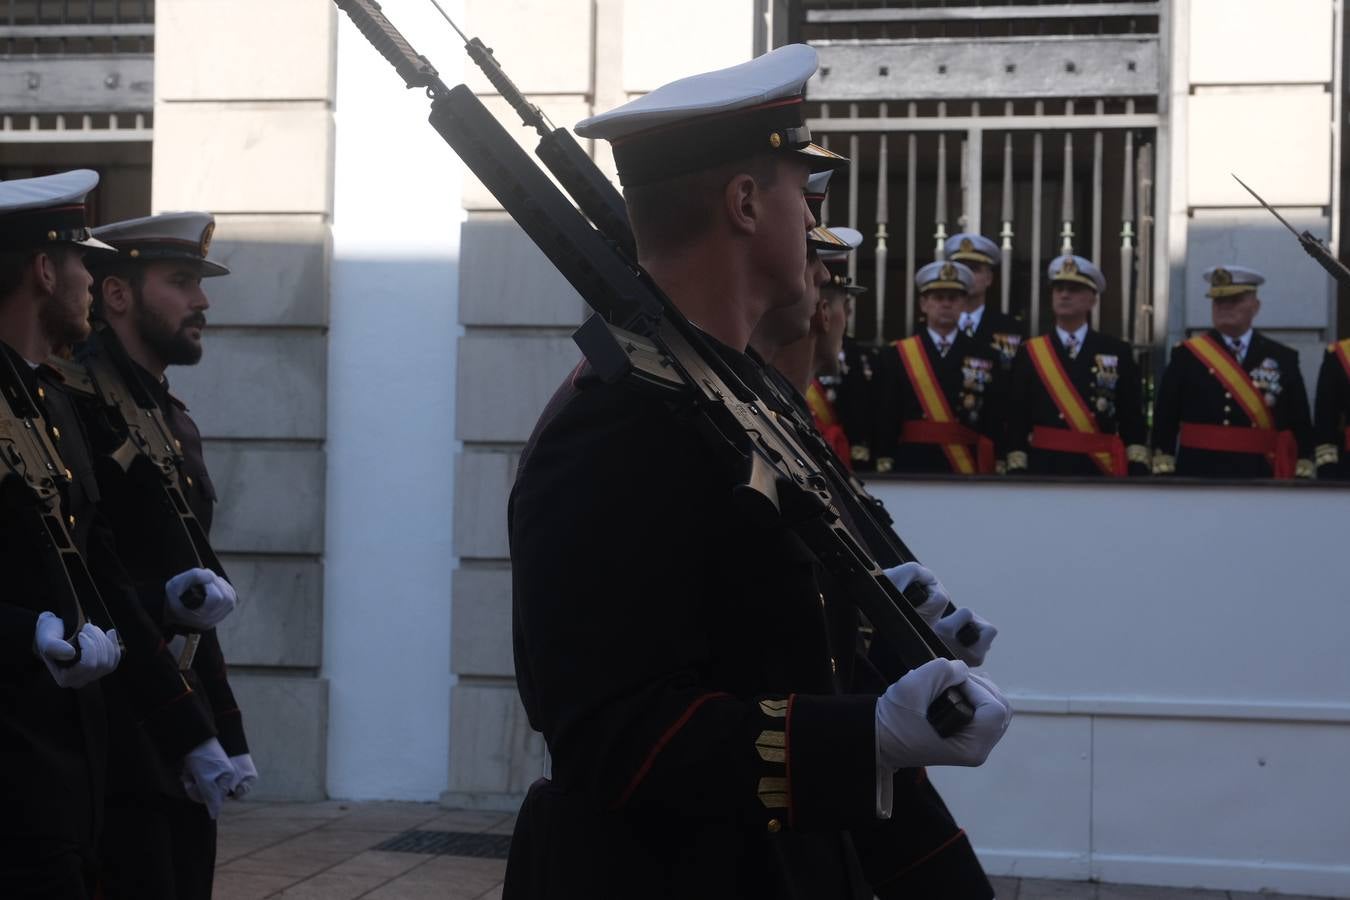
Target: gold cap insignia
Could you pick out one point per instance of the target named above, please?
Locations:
(1221, 277)
(1069, 268)
(207, 233)
(775, 140)
(966, 245)
(948, 273)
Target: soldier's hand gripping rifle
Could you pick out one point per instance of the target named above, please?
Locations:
(149, 459)
(30, 491)
(600, 202)
(1310, 243)
(639, 335)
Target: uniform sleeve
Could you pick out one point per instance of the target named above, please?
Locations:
(18, 626)
(1298, 417)
(1328, 417)
(1130, 414)
(611, 523)
(161, 698)
(1167, 414)
(994, 416)
(209, 664)
(1020, 392)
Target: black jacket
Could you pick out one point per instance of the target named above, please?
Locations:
(53, 741)
(975, 388)
(137, 763)
(1001, 333)
(687, 669)
(1331, 417)
(1106, 377)
(1189, 393)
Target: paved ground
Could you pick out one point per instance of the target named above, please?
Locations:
(325, 851)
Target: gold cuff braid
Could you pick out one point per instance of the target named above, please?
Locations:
(1304, 469)
(1326, 454)
(1000, 467)
(1164, 464)
(1017, 459)
(1138, 453)
(885, 464)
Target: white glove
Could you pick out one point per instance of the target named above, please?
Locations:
(948, 626)
(219, 603)
(208, 775)
(935, 605)
(905, 737)
(245, 775)
(99, 652)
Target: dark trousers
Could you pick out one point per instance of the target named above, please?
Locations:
(157, 848)
(37, 870)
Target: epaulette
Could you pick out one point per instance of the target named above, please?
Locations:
(74, 376)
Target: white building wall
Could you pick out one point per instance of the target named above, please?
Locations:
(1176, 658)
(391, 405)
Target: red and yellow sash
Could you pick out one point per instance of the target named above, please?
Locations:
(935, 407)
(1108, 454)
(1281, 449)
(827, 423)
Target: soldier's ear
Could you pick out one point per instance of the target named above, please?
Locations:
(44, 269)
(117, 295)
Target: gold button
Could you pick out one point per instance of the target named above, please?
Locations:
(135, 253)
(822, 599)
(775, 140)
(177, 443)
(774, 826)
(51, 235)
(1226, 422)
(1227, 396)
(189, 480)
(1228, 409)
(42, 394)
(56, 432)
(834, 665)
(69, 475)
(71, 520)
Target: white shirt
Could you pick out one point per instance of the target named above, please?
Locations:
(1243, 343)
(939, 340)
(1077, 337)
(970, 321)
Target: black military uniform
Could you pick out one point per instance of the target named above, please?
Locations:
(975, 389)
(670, 775)
(53, 740)
(1189, 393)
(996, 329)
(1331, 417)
(160, 843)
(850, 392)
(1001, 333)
(1108, 380)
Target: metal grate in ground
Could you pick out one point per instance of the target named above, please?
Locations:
(450, 843)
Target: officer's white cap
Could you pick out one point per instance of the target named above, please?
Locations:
(705, 120)
(47, 211)
(1229, 281)
(176, 235)
(1077, 270)
(970, 247)
(944, 275)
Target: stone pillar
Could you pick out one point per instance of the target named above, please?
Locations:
(573, 58)
(1260, 105)
(244, 129)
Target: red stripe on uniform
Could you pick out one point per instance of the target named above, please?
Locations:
(661, 745)
(926, 857)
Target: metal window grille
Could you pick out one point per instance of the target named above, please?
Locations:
(76, 70)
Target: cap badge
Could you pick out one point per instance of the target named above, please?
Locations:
(775, 140)
(966, 245)
(1221, 277)
(207, 233)
(948, 272)
(1069, 268)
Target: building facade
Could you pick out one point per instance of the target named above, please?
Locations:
(388, 337)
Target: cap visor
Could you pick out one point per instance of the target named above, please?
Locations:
(211, 269)
(95, 244)
(820, 159)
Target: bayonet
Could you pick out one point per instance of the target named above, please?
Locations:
(1311, 245)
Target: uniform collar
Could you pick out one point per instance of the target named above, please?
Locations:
(1079, 335)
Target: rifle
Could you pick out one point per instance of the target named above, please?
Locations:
(149, 460)
(637, 334)
(1311, 244)
(600, 202)
(29, 490)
